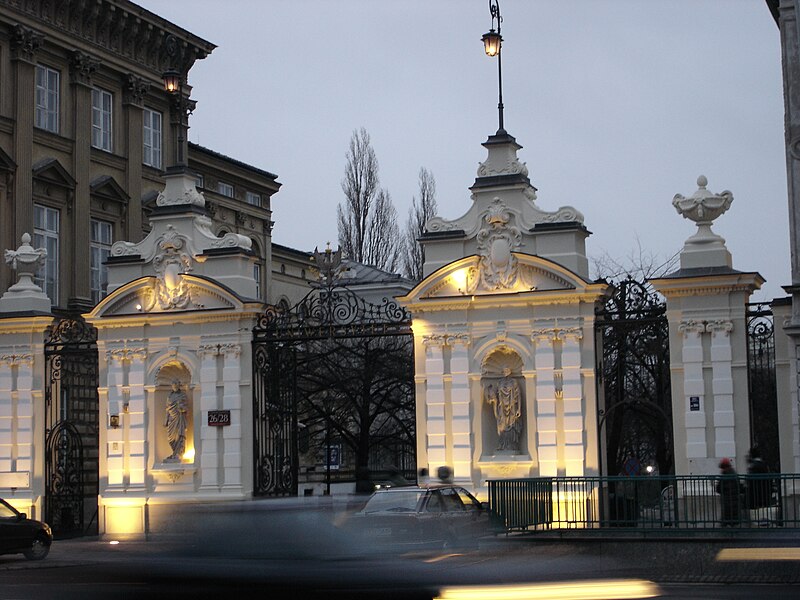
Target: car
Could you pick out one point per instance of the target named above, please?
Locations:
(19, 534)
(442, 517)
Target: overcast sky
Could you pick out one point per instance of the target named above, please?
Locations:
(618, 104)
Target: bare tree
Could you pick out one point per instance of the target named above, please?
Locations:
(639, 264)
(367, 219)
(422, 209)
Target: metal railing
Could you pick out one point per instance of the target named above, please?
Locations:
(675, 502)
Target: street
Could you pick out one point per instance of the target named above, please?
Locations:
(89, 568)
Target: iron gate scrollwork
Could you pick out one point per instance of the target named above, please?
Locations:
(71, 427)
(761, 383)
(634, 375)
(295, 352)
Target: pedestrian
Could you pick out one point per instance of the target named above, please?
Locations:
(759, 487)
(729, 490)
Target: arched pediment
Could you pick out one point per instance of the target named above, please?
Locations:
(532, 275)
(151, 296)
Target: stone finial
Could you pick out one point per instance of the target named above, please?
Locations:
(703, 207)
(26, 261)
(25, 294)
(705, 248)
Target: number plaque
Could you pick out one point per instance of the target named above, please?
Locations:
(219, 418)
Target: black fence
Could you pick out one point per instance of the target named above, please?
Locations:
(666, 503)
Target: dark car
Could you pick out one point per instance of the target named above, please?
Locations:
(19, 534)
(409, 517)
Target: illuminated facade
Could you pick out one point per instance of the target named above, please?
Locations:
(504, 335)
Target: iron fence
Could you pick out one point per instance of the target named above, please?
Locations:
(668, 503)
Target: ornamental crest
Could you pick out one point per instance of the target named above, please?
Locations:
(170, 263)
(497, 240)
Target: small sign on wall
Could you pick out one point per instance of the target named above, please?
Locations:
(219, 418)
(694, 403)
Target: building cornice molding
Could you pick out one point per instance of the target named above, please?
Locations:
(118, 27)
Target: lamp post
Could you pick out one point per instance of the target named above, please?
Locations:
(492, 42)
(173, 84)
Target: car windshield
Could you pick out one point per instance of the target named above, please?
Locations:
(396, 501)
(6, 512)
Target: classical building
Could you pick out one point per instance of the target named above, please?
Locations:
(87, 131)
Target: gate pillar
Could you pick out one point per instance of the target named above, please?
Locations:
(24, 319)
(503, 325)
(174, 338)
(706, 310)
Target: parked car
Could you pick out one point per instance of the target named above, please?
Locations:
(421, 517)
(19, 534)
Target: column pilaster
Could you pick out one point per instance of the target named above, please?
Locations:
(210, 437)
(546, 418)
(694, 388)
(435, 402)
(232, 401)
(722, 387)
(460, 406)
(572, 401)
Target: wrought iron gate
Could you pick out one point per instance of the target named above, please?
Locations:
(71, 427)
(292, 347)
(635, 422)
(761, 383)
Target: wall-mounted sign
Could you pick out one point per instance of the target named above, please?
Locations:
(694, 403)
(219, 418)
(334, 456)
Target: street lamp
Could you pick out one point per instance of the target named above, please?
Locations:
(173, 84)
(492, 41)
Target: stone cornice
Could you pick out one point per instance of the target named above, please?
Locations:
(709, 285)
(493, 301)
(118, 27)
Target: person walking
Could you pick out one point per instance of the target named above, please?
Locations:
(729, 490)
(759, 487)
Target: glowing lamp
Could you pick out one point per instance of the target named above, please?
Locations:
(492, 42)
(172, 80)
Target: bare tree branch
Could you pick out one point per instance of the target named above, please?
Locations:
(422, 209)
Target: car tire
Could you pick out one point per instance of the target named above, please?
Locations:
(38, 550)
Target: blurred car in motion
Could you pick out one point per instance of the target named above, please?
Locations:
(19, 534)
(415, 517)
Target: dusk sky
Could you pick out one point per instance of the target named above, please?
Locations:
(618, 104)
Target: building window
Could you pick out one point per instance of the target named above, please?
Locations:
(47, 89)
(152, 138)
(257, 277)
(226, 189)
(100, 248)
(254, 199)
(45, 235)
(199, 181)
(101, 119)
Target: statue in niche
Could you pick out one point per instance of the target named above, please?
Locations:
(176, 422)
(506, 401)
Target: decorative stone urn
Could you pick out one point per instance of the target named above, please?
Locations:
(705, 248)
(25, 295)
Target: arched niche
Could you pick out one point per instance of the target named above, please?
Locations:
(503, 403)
(174, 414)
